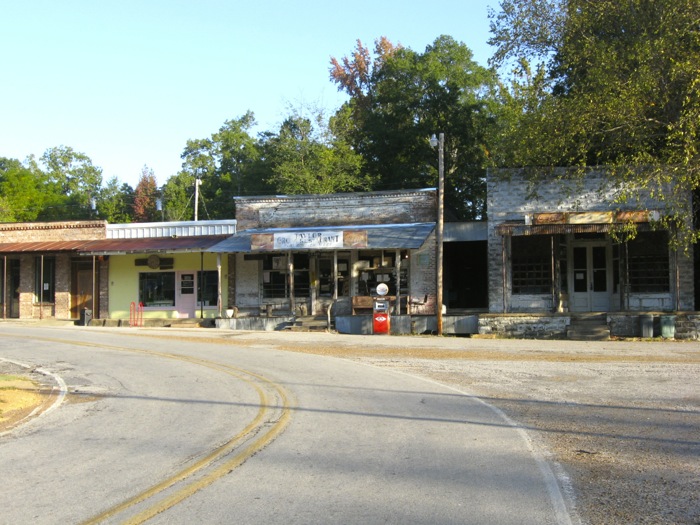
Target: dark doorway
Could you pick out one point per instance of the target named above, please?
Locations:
(465, 278)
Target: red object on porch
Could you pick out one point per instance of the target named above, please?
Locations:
(136, 314)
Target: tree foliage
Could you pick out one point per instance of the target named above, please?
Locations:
(621, 89)
(402, 97)
(22, 193)
(116, 202)
(145, 197)
(309, 155)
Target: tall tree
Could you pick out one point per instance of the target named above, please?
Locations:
(227, 163)
(623, 89)
(115, 203)
(23, 192)
(178, 197)
(403, 97)
(145, 197)
(74, 180)
(310, 155)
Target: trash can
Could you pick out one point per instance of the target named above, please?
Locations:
(668, 326)
(646, 322)
(85, 316)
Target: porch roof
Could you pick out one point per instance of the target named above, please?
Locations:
(42, 246)
(378, 236)
(197, 244)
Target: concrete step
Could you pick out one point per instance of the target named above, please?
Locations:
(592, 327)
(309, 324)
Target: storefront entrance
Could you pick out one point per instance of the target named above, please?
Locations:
(590, 277)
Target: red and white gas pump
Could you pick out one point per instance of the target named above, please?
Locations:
(381, 311)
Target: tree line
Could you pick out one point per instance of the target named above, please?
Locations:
(575, 83)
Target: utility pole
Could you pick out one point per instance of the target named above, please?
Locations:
(197, 183)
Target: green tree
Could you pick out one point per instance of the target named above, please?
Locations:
(74, 182)
(178, 197)
(227, 163)
(401, 97)
(115, 203)
(22, 192)
(145, 197)
(623, 89)
(309, 155)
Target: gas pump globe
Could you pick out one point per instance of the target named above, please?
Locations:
(381, 318)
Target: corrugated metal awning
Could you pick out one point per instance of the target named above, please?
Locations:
(42, 246)
(151, 245)
(519, 229)
(378, 237)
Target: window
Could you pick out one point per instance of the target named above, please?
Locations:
(532, 265)
(325, 277)
(208, 288)
(157, 289)
(377, 267)
(44, 282)
(275, 283)
(648, 264)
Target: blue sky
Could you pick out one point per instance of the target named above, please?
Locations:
(128, 82)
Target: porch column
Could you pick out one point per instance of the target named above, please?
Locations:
(94, 279)
(4, 287)
(397, 266)
(504, 271)
(290, 280)
(41, 288)
(335, 275)
(555, 281)
(218, 289)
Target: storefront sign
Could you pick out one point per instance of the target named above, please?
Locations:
(308, 240)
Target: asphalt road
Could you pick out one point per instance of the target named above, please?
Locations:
(172, 428)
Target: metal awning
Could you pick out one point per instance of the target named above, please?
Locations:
(151, 245)
(377, 237)
(521, 229)
(42, 246)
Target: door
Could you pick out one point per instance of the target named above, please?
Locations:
(81, 288)
(12, 292)
(186, 294)
(591, 279)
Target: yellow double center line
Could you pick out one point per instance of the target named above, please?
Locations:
(253, 438)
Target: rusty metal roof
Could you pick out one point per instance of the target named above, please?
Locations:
(116, 246)
(42, 246)
(151, 245)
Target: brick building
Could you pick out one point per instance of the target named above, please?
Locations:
(44, 274)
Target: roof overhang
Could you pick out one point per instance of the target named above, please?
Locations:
(42, 246)
(327, 238)
(151, 245)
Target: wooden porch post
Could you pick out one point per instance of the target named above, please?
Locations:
(290, 278)
(218, 280)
